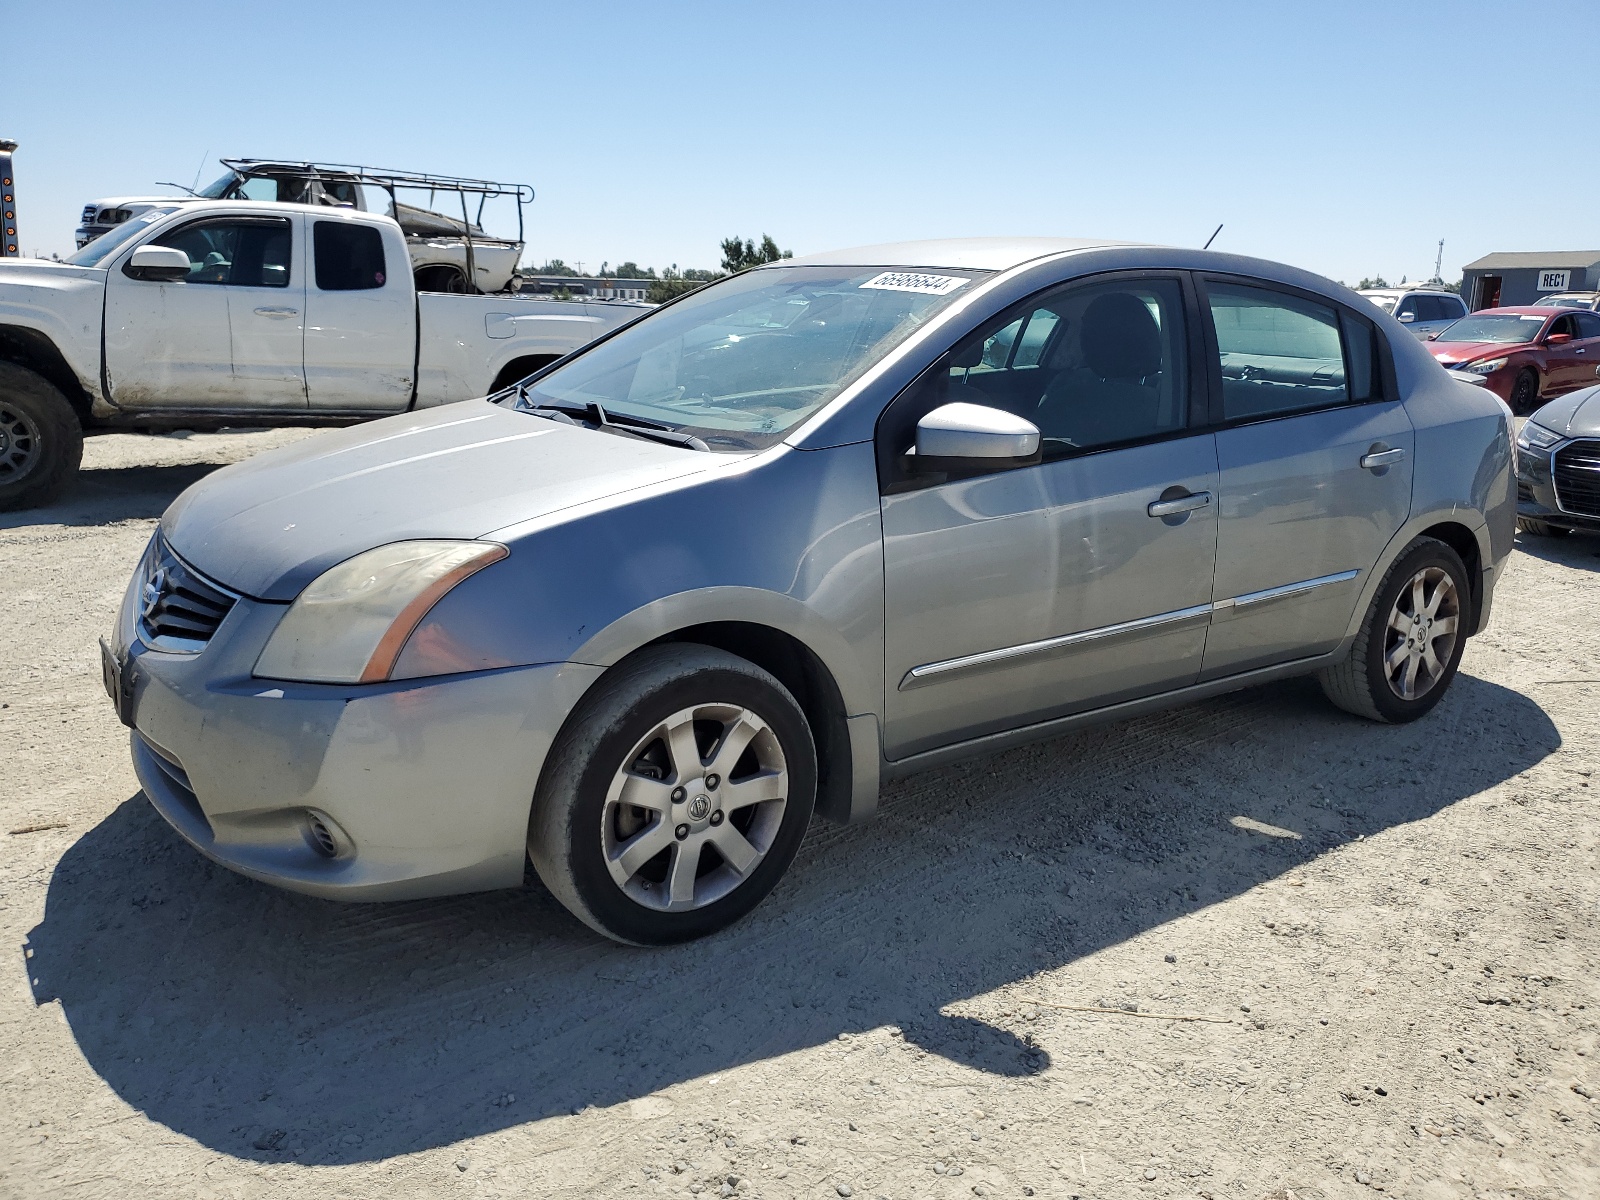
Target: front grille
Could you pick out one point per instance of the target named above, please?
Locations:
(179, 609)
(1577, 478)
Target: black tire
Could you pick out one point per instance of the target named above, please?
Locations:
(567, 828)
(1360, 684)
(1525, 392)
(1540, 529)
(41, 442)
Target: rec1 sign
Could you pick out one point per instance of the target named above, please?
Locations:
(1553, 281)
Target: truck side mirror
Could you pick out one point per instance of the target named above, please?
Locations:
(161, 264)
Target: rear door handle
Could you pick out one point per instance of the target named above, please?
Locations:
(1179, 504)
(1379, 459)
(279, 312)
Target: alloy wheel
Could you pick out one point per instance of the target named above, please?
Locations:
(19, 443)
(1420, 641)
(695, 807)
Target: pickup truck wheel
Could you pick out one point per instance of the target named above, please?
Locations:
(41, 442)
(675, 797)
(1411, 639)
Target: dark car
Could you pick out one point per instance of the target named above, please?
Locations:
(1558, 467)
(1526, 355)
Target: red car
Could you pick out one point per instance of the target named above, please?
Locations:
(1527, 355)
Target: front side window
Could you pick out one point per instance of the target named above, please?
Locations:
(253, 253)
(1408, 307)
(1280, 353)
(347, 257)
(1093, 365)
(741, 363)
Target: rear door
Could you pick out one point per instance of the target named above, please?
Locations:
(227, 336)
(1314, 453)
(361, 317)
(1588, 349)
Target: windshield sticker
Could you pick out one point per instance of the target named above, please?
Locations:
(914, 281)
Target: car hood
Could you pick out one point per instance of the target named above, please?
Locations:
(1454, 352)
(41, 272)
(269, 526)
(1577, 414)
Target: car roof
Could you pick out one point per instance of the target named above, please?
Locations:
(979, 254)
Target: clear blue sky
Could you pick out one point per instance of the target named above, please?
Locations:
(1343, 137)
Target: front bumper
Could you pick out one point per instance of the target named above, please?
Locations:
(426, 783)
(1536, 492)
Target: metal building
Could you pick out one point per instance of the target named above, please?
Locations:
(1501, 280)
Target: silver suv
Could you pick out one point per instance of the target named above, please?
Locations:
(818, 525)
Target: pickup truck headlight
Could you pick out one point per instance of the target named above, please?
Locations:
(1536, 437)
(1484, 366)
(351, 623)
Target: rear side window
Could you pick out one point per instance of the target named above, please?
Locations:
(253, 253)
(348, 257)
(1588, 325)
(1279, 353)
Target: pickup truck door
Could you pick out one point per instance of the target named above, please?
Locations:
(228, 336)
(361, 317)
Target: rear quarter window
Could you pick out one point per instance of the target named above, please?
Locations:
(348, 257)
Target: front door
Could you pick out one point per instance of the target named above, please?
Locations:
(1315, 459)
(1566, 365)
(227, 336)
(361, 326)
(1032, 592)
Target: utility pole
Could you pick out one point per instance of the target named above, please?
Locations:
(1439, 262)
(8, 201)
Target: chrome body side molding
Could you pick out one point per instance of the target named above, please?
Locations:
(935, 672)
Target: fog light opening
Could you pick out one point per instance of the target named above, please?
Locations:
(324, 835)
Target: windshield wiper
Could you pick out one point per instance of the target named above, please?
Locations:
(597, 416)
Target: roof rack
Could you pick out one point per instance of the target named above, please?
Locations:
(484, 189)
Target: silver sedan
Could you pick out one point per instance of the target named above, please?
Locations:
(811, 527)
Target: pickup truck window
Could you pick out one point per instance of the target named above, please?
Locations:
(235, 252)
(348, 258)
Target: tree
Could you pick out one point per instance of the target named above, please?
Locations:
(1377, 281)
(742, 255)
(556, 267)
(632, 270)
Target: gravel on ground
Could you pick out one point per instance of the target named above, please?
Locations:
(1250, 948)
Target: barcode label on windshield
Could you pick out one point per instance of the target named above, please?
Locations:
(914, 281)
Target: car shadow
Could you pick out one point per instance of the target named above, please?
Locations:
(106, 495)
(1580, 550)
(269, 1026)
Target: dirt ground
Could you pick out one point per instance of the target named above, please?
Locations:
(1341, 957)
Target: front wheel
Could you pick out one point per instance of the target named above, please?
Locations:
(1411, 641)
(675, 797)
(1524, 393)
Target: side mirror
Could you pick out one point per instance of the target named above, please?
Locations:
(974, 435)
(162, 264)
(1406, 318)
(1558, 339)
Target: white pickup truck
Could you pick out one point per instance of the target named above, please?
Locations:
(225, 313)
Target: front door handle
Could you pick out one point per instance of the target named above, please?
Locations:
(279, 312)
(1377, 460)
(1179, 504)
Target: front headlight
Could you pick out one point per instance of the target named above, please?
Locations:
(351, 623)
(1483, 366)
(1536, 437)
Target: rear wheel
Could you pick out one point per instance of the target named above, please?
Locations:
(1411, 641)
(1525, 393)
(676, 796)
(41, 442)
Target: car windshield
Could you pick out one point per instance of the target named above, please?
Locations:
(742, 362)
(107, 243)
(1384, 302)
(1498, 327)
(220, 189)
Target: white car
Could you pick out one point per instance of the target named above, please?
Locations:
(1422, 310)
(1588, 300)
(209, 313)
